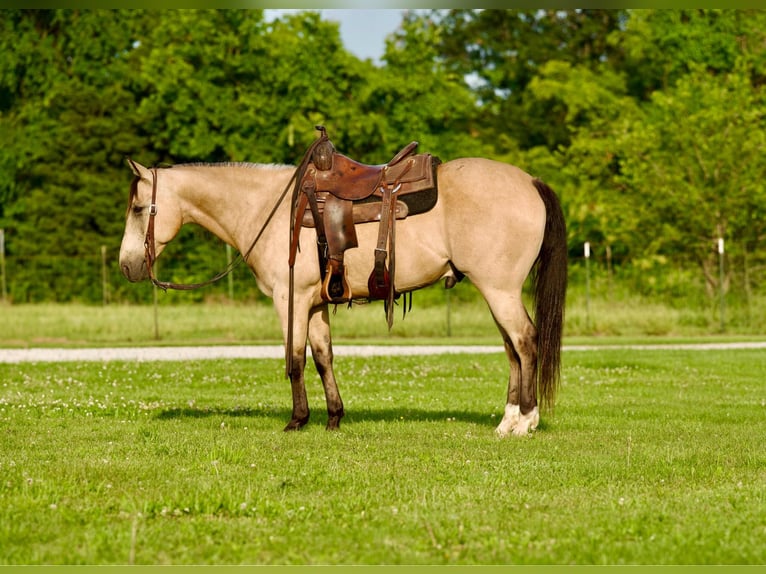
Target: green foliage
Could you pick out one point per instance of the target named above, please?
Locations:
(69, 120)
(662, 46)
(438, 105)
(186, 463)
(594, 104)
(647, 123)
(704, 174)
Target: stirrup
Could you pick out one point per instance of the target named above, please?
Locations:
(335, 287)
(379, 282)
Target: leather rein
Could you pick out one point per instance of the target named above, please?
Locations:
(151, 249)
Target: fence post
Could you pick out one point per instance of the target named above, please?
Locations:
(720, 284)
(610, 292)
(2, 265)
(587, 286)
(104, 280)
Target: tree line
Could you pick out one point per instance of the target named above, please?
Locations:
(648, 124)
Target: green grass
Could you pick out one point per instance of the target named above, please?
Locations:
(82, 325)
(467, 322)
(651, 458)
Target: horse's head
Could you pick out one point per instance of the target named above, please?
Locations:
(166, 217)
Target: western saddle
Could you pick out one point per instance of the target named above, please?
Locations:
(334, 193)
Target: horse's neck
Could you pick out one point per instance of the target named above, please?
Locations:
(228, 201)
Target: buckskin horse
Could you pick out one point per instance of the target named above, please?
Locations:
(492, 222)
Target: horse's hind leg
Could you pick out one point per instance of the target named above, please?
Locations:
(321, 351)
(520, 339)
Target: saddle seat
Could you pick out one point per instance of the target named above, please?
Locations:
(349, 179)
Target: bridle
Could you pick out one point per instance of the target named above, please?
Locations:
(150, 254)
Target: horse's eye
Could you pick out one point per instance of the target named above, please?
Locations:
(137, 209)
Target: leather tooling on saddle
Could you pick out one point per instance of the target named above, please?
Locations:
(334, 193)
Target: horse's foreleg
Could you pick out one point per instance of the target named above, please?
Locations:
(321, 350)
(300, 415)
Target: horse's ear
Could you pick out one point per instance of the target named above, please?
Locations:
(138, 170)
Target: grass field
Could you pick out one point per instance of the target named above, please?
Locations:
(75, 325)
(652, 457)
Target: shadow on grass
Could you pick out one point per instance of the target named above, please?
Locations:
(358, 416)
(205, 412)
(366, 415)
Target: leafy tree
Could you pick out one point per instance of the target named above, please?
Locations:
(501, 51)
(69, 121)
(662, 46)
(222, 85)
(81, 90)
(594, 106)
(648, 123)
(701, 182)
(416, 97)
(315, 80)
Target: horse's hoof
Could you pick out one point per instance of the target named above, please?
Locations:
(517, 423)
(295, 424)
(527, 422)
(333, 423)
(509, 422)
(333, 419)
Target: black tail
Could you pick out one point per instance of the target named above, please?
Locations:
(550, 295)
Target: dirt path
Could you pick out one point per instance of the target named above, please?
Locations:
(42, 355)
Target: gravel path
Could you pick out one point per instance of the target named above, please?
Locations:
(42, 355)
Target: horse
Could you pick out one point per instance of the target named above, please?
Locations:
(493, 223)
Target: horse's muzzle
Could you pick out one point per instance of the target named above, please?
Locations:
(134, 273)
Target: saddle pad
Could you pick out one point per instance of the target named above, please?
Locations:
(418, 202)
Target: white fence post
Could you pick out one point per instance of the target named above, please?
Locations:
(720, 284)
(587, 285)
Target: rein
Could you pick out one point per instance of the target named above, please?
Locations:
(151, 249)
